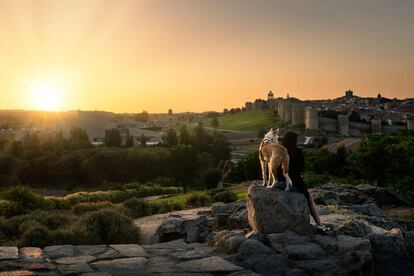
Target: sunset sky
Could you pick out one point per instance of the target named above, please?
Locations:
(198, 55)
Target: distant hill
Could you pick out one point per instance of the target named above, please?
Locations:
(247, 121)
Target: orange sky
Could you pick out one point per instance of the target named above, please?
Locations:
(194, 55)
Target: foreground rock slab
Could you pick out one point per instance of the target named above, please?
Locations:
(124, 266)
(210, 264)
(8, 253)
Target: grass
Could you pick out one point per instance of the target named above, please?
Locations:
(240, 190)
(247, 121)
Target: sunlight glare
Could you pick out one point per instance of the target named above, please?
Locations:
(46, 95)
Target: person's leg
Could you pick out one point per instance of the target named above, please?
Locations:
(313, 211)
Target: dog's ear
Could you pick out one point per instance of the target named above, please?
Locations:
(271, 130)
(277, 131)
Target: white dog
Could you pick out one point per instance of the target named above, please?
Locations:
(272, 155)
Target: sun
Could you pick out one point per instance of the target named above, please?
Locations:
(46, 95)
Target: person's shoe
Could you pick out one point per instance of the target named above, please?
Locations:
(323, 228)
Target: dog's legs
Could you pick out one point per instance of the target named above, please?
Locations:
(273, 172)
(271, 176)
(264, 173)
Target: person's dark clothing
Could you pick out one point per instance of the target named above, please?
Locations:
(296, 167)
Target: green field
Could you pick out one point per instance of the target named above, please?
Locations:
(247, 121)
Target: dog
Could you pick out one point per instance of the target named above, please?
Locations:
(272, 155)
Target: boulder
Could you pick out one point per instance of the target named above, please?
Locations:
(355, 255)
(409, 243)
(275, 211)
(230, 215)
(369, 209)
(255, 256)
(238, 220)
(390, 254)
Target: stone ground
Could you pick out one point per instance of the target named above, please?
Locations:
(149, 225)
(170, 258)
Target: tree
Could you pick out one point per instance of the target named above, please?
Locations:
(113, 138)
(129, 141)
(31, 142)
(79, 139)
(215, 122)
(183, 164)
(143, 140)
(221, 147)
(170, 138)
(185, 138)
(142, 117)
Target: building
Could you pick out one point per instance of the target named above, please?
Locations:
(349, 93)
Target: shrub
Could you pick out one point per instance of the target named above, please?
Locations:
(137, 207)
(25, 200)
(64, 236)
(8, 208)
(166, 206)
(108, 226)
(225, 196)
(53, 219)
(197, 200)
(210, 178)
(36, 235)
(213, 192)
(85, 207)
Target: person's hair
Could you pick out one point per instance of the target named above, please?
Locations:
(290, 140)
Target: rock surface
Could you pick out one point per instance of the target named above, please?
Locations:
(287, 210)
(215, 241)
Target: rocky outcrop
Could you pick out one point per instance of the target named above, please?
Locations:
(275, 211)
(363, 240)
(346, 195)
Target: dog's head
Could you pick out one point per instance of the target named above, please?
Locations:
(273, 136)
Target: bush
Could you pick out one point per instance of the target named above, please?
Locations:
(53, 219)
(213, 192)
(197, 200)
(64, 236)
(108, 226)
(36, 235)
(25, 200)
(210, 178)
(8, 208)
(225, 196)
(137, 207)
(165, 207)
(85, 207)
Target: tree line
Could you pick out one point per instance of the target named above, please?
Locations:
(183, 156)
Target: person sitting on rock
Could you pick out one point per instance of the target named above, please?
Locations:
(296, 167)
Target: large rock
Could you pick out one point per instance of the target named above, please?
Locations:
(369, 209)
(335, 194)
(355, 254)
(390, 254)
(253, 255)
(275, 211)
